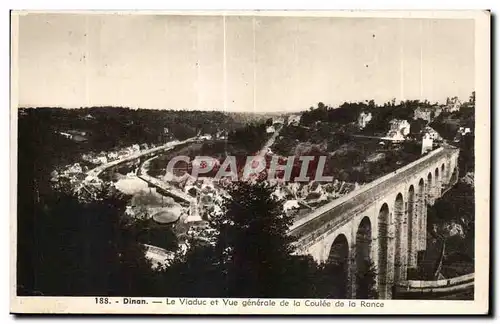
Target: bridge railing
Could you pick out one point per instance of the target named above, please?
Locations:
(319, 221)
(362, 189)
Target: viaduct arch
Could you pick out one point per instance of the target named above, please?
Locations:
(382, 223)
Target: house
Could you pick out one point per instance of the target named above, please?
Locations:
(290, 205)
(464, 130)
(399, 128)
(316, 192)
(67, 135)
(427, 113)
(191, 190)
(400, 125)
(364, 119)
(54, 176)
(312, 190)
(294, 120)
(100, 160)
(278, 120)
(75, 168)
(431, 133)
(461, 132)
(205, 164)
(206, 137)
(293, 188)
(221, 134)
(101, 157)
(76, 132)
(77, 136)
(270, 129)
(87, 157)
(112, 155)
(279, 193)
(452, 104)
(427, 143)
(123, 153)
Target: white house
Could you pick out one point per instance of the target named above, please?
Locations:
(290, 205)
(112, 155)
(101, 160)
(278, 120)
(364, 119)
(75, 168)
(452, 104)
(294, 119)
(426, 143)
(400, 125)
(206, 137)
(431, 133)
(464, 130)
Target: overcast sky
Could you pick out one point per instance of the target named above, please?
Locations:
(239, 63)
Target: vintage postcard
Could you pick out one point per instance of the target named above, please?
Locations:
(254, 162)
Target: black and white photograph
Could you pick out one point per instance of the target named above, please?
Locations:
(221, 161)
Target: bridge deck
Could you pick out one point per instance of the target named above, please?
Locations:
(171, 190)
(345, 206)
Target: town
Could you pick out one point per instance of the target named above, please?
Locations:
(353, 146)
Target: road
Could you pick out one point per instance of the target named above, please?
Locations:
(98, 170)
(269, 142)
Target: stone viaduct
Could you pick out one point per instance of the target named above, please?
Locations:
(383, 222)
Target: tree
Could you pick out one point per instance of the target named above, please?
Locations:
(472, 98)
(417, 126)
(365, 281)
(455, 208)
(249, 254)
(83, 249)
(251, 137)
(252, 241)
(198, 273)
(330, 280)
(466, 160)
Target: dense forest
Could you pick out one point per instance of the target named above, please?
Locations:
(109, 127)
(451, 222)
(68, 247)
(348, 112)
(55, 226)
